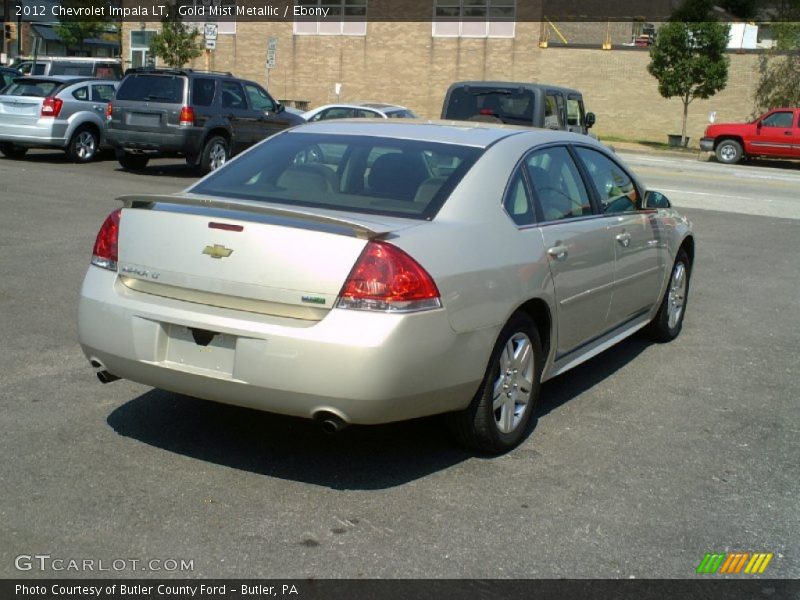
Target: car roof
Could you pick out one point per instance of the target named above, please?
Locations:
(464, 133)
(57, 78)
(513, 84)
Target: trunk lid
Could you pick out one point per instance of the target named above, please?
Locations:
(242, 255)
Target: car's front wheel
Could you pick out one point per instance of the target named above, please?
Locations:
(497, 419)
(83, 146)
(729, 152)
(668, 322)
(132, 162)
(215, 154)
(12, 150)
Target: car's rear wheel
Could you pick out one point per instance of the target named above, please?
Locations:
(215, 154)
(132, 162)
(668, 322)
(497, 419)
(83, 146)
(729, 152)
(12, 150)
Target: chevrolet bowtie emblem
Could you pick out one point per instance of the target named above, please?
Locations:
(217, 251)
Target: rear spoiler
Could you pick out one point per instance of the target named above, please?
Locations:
(360, 229)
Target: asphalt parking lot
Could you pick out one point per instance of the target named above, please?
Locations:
(641, 460)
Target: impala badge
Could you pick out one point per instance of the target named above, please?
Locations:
(217, 251)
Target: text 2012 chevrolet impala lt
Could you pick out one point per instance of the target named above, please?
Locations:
(361, 272)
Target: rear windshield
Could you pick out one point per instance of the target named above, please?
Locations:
(152, 88)
(27, 86)
(509, 105)
(374, 175)
(65, 68)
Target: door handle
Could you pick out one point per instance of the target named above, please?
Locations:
(787, 133)
(624, 239)
(558, 252)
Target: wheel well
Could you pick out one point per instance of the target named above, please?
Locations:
(219, 132)
(718, 141)
(538, 310)
(95, 129)
(688, 247)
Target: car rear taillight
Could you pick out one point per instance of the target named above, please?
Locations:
(387, 279)
(187, 117)
(109, 112)
(104, 253)
(51, 107)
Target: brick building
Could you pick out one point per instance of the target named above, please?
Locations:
(409, 51)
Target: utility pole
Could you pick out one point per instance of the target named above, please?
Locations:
(6, 20)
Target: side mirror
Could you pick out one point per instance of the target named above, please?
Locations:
(590, 119)
(655, 200)
(279, 108)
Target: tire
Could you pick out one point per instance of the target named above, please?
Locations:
(729, 152)
(492, 430)
(215, 154)
(132, 162)
(83, 146)
(12, 151)
(668, 322)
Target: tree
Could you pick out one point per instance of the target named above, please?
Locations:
(779, 82)
(176, 43)
(688, 60)
(74, 31)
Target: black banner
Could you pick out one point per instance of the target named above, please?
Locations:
(400, 589)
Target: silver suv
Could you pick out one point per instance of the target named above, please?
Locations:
(54, 112)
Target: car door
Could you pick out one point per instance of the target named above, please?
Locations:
(775, 134)
(267, 120)
(639, 246)
(579, 249)
(243, 120)
(102, 94)
(576, 114)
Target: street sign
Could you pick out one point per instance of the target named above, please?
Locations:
(211, 44)
(272, 52)
(210, 31)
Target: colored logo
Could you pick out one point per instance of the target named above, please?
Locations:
(217, 251)
(734, 563)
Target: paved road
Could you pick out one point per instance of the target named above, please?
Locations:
(641, 461)
(759, 187)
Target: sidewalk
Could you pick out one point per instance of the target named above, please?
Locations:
(658, 150)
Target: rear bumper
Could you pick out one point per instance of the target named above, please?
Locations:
(707, 144)
(365, 367)
(44, 133)
(175, 141)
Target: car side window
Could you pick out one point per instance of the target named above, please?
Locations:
(82, 93)
(102, 93)
(366, 114)
(334, 113)
(557, 183)
(259, 99)
(203, 89)
(518, 202)
(574, 112)
(551, 112)
(781, 119)
(615, 188)
(233, 95)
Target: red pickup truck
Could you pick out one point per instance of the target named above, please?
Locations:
(775, 134)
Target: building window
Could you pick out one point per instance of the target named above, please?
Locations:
(474, 18)
(140, 48)
(341, 17)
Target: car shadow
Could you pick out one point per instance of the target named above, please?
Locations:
(771, 163)
(565, 387)
(358, 458)
(56, 156)
(179, 170)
